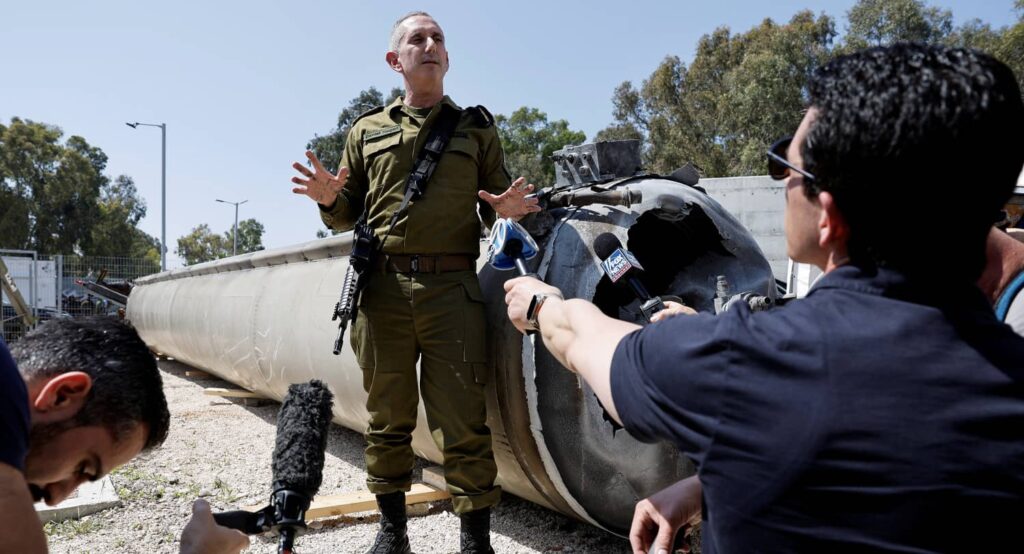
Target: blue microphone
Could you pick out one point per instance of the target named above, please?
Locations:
(510, 246)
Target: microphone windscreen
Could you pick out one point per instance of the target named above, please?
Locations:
(605, 244)
(513, 248)
(302, 426)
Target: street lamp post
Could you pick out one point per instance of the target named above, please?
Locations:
(234, 249)
(163, 188)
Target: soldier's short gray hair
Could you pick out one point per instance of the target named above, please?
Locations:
(396, 33)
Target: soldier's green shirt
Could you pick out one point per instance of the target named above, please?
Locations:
(379, 153)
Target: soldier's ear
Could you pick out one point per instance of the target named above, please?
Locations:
(392, 59)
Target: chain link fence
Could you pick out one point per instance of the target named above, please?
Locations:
(68, 286)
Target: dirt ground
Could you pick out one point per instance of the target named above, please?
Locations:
(220, 449)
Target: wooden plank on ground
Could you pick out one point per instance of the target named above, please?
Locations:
(434, 476)
(197, 373)
(362, 501)
(230, 393)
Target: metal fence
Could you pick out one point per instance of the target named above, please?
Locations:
(68, 286)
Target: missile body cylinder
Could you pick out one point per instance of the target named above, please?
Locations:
(263, 321)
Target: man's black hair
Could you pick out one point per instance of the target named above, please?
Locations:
(126, 385)
(920, 146)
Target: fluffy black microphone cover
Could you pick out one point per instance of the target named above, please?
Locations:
(605, 244)
(302, 424)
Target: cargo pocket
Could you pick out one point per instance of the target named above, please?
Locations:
(474, 334)
(362, 345)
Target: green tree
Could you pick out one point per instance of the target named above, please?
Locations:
(328, 148)
(201, 245)
(1011, 44)
(50, 190)
(765, 92)
(880, 22)
(250, 237)
(977, 34)
(116, 231)
(529, 139)
(738, 94)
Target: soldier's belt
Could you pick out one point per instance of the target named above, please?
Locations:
(421, 263)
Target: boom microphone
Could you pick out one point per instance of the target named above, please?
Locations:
(622, 267)
(297, 466)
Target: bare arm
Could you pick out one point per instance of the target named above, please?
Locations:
(19, 524)
(658, 518)
(575, 332)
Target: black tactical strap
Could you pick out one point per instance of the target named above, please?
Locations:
(426, 161)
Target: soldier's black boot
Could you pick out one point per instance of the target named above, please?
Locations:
(391, 538)
(475, 537)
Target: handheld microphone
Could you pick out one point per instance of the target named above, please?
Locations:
(297, 466)
(622, 267)
(510, 246)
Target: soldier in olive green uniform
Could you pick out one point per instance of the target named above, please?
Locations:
(423, 300)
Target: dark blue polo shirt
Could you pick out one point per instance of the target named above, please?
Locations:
(14, 419)
(878, 413)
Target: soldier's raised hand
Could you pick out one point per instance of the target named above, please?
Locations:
(319, 184)
(513, 203)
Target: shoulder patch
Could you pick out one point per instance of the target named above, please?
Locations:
(370, 111)
(382, 132)
(481, 116)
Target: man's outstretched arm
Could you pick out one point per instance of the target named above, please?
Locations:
(19, 524)
(575, 332)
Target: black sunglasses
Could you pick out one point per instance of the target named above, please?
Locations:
(778, 166)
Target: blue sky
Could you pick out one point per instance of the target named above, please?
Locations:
(243, 85)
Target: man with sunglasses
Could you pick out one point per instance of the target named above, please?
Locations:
(884, 411)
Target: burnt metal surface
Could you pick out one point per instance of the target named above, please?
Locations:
(684, 240)
(596, 162)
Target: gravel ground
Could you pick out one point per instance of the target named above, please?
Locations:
(220, 449)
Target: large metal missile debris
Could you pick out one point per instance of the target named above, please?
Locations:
(262, 320)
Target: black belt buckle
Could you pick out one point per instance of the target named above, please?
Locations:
(414, 264)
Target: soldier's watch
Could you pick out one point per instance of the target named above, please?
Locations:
(533, 312)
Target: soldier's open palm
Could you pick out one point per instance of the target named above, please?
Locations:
(319, 184)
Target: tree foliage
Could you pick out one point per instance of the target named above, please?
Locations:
(55, 199)
(200, 245)
(743, 90)
(116, 231)
(529, 139)
(250, 236)
(880, 22)
(738, 94)
(203, 245)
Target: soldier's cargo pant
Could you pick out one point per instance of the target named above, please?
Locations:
(439, 317)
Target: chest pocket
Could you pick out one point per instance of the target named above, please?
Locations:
(374, 146)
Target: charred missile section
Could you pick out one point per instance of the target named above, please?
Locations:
(689, 247)
(262, 320)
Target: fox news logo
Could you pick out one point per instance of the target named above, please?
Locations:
(618, 264)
